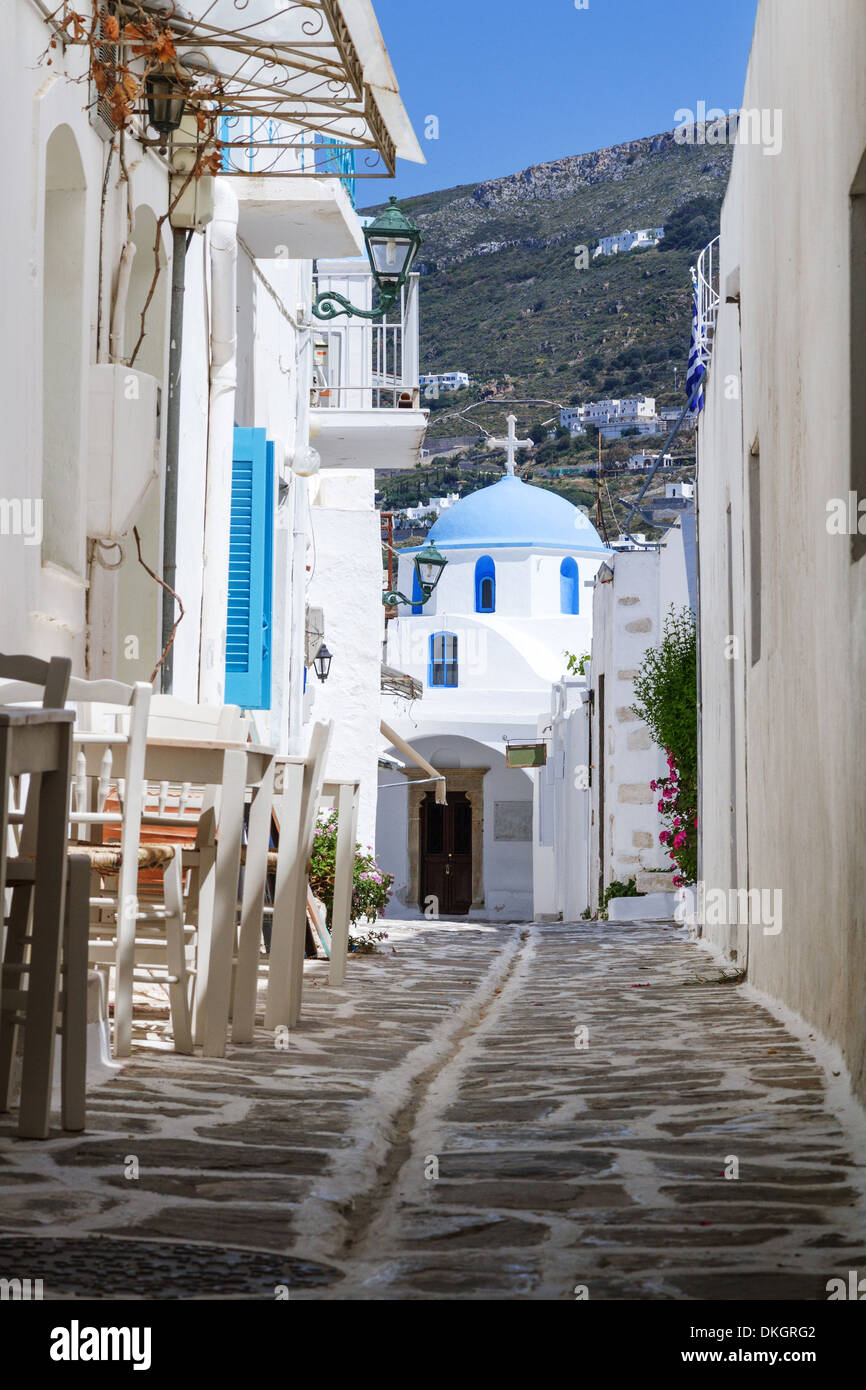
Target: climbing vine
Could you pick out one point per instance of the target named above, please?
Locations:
(127, 43)
(666, 690)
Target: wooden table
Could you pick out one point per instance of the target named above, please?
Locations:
(227, 771)
(344, 796)
(39, 742)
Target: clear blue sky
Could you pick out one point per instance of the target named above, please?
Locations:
(518, 82)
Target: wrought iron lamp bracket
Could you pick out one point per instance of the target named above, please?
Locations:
(324, 306)
(392, 598)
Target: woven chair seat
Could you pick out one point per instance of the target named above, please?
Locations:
(107, 859)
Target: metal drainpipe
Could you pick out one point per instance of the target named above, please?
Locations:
(172, 449)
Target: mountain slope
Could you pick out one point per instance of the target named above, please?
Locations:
(501, 296)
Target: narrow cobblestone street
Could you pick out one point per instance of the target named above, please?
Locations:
(443, 1128)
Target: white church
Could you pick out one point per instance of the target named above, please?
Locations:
(512, 601)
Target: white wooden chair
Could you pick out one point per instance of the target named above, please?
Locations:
(23, 680)
(343, 796)
(297, 804)
(141, 934)
(174, 718)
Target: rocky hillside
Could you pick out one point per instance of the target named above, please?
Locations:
(503, 298)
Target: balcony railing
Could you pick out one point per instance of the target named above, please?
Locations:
(366, 364)
(251, 145)
(707, 282)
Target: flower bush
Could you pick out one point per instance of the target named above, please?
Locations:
(666, 687)
(371, 891)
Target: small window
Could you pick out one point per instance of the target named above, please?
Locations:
(485, 585)
(443, 659)
(569, 587)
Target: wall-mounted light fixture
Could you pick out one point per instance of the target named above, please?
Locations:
(165, 90)
(322, 663)
(392, 245)
(429, 565)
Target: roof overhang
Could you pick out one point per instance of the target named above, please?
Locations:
(288, 70)
(309, 217)
(394, 682)
(375, 438)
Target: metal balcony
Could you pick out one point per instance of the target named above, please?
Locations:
(707, 282)
(365, 399)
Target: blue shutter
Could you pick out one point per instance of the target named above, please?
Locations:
(251, 558)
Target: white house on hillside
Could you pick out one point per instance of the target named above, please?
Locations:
(433, 382)
(629, 241)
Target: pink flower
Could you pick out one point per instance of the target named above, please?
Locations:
(678, 881)
(664, 837)
(679, 840)
(661, 806)
(678, 820)
(654, 786)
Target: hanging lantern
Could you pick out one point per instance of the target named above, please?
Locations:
(322, 663)
(165, 89)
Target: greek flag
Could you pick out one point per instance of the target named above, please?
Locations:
(697, 360)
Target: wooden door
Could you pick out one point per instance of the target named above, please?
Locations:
(446, 854)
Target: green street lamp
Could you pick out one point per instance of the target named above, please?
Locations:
(429, 565)
(392, 245)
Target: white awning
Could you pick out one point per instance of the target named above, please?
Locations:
(406, 748)
(321, 68)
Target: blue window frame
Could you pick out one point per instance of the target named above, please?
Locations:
(569, 587)
(251, 563)
(442, 669)
(485, 585)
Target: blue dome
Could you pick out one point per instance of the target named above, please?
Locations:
(512, 513)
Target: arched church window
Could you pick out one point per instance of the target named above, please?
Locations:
(569, 587)
(485, 585)
(443, 659)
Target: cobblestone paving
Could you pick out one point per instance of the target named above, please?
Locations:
(443, 1128)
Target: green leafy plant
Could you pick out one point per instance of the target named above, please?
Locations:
(371, 890)
(666, 690)
(620, 890)
(367, 943)
(577, 664)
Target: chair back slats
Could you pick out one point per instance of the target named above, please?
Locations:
(102, 692)
(174, 718)
(31, 680)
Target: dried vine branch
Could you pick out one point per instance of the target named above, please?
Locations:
(169, 590)
(126, 47)
(198, 168)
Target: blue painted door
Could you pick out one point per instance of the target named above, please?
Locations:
(251, 563)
